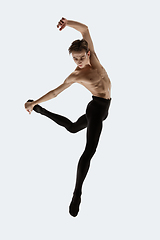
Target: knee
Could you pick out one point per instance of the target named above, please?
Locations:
(93, 151)
(71, 128)
(90, 151)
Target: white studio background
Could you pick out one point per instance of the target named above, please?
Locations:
(38, 158)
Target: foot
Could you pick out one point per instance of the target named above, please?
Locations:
(37, 108)
(74, 206)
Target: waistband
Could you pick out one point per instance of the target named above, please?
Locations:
(102, 100)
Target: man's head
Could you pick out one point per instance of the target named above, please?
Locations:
(80, 52)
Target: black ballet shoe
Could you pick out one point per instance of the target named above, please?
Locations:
(37, 108)
(74, 206)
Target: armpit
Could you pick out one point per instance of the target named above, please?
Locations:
(94, 60)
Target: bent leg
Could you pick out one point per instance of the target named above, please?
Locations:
(80, 124)
(93, 133)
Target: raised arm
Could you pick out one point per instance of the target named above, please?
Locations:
(83, 29)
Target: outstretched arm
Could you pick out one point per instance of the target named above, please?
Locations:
(52, 94)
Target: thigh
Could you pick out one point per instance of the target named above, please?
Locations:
(82, 121)
(94, 130)
(80, 124)
(97, 110)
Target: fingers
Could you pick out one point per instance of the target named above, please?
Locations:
(61, 23)
(29, 111)
(28, 108)
(61, 28)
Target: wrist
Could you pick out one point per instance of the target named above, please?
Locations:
(34, 103)
(68, 22)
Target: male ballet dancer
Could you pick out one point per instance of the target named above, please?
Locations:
(91, 74)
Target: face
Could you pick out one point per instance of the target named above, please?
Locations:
(81, 58)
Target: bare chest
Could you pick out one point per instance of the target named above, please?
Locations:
(88, 77)
(97, 82)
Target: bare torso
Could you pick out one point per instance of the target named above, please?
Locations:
(95, 80)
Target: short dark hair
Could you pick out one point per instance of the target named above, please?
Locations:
(78, 45)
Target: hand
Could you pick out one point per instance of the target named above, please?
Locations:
(62, 23)
(29, 106)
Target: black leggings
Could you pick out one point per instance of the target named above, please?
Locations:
(96, 112)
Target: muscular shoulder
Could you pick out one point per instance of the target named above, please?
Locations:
(71, 78)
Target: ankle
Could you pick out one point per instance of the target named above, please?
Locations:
(37, 108)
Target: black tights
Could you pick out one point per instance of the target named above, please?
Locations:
(96, 112)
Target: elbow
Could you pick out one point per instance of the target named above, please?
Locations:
(85, 29)
(53, 94)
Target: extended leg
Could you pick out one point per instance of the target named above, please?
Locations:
(80, 124)
(93, 133)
